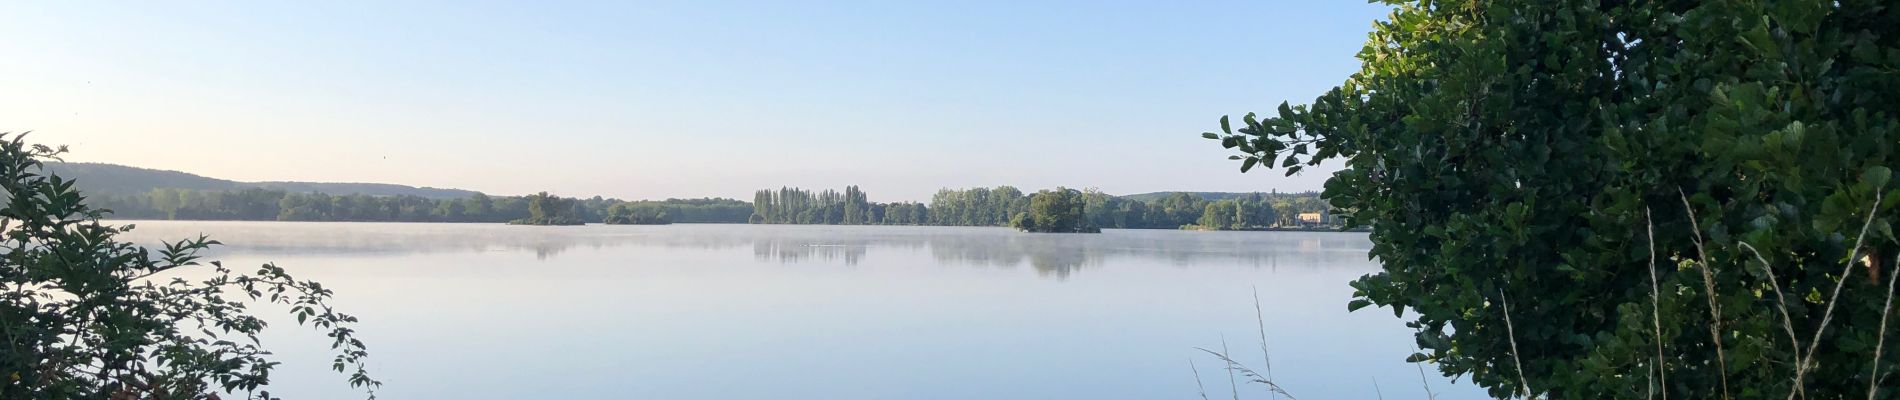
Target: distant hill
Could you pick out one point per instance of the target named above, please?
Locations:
(123, 180)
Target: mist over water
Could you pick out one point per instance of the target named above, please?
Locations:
(481, 311)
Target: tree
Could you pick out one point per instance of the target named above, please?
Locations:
(1614, 199)
(1254, 211)
(546, 209)
(1056, 211)
(1220, 215)
(84, 315)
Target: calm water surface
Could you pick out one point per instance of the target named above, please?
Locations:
(469, 311)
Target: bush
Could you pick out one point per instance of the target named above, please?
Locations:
(84, 315)
(1621, 199)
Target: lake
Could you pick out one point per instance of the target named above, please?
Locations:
(483, 311)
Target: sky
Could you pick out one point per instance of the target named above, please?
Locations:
(675, 98)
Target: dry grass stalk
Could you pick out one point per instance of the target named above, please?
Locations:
(1253, 377)
(1853, 257)
(1708, 284)
(1230, 367)
(1787, 323)
(1197, 379)
(1421, 377)
(1262, 322)
(1873, 378)
(1655, 307)
(1509, 329)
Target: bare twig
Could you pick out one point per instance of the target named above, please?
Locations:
(1873, 379)
(1853, 255)
(1512, 331)
(1655, 307)
(1708, 284)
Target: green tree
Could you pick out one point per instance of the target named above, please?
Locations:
(86, 316)
(1254, 211)
(1220, 215)
(546, 209)
(1578, 199)
(1056, 211)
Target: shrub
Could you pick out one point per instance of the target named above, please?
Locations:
(84, 315)
(1581, 199)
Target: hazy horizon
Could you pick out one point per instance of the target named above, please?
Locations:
(675, 99)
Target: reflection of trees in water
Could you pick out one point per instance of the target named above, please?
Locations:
(1051, 255)
(793, 252)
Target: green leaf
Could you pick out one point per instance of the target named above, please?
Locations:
(1224, 127)
(1248, 165)
(1210, 135)
(1357, 304)
(1876, 177)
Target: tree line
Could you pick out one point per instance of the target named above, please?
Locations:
(277, 205)
(852, 206)
(1000, 205)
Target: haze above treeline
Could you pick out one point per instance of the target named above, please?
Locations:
(139, 193)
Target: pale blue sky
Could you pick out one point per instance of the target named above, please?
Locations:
(674, 99)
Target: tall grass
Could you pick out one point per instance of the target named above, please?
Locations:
(1233, 366)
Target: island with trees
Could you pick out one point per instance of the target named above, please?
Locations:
(546, 209)
(1054, 211)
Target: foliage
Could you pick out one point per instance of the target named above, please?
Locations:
(1054, 211)
(997, 207)
(1219, 215)
(87, 316)
(704, 210)
(1605, 172)
(977, 206)
(1242, 213)
(547, 209)
(645, 213)
(828, 207)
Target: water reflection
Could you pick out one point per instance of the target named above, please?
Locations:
(1050, 255)
(819, 312)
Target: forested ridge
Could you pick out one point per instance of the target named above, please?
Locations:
(279, 205)
(113, 179)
